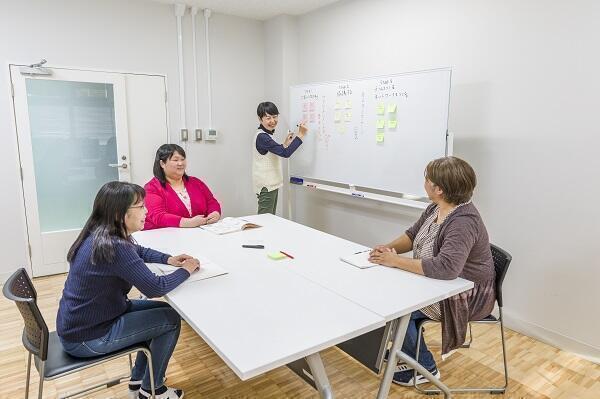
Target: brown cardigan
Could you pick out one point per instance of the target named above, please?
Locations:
(461, 249)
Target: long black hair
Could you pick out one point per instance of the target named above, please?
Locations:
(107, 221)
(164, 153)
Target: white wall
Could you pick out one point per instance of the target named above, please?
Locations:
(524, 111)
(134, 36)
(236, 52)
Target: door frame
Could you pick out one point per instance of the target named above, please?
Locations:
(30, 237)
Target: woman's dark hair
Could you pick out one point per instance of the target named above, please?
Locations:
(107, 221)
(454, 176)
(164, 153)
(266, 108)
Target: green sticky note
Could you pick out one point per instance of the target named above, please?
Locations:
(379, 137)
(348, 116)
(338, 105)
(391, 108)
(348, 103)
(392, 123)
(380, 109)
(380, 123)
(337, 117)
(276, 255)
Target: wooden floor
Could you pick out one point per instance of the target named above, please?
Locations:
(536, 370)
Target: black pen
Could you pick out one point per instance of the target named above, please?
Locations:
(360, 252)
(253, 246)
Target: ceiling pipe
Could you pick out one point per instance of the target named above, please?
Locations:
(195, 58)
(207, 14)
(179, 13)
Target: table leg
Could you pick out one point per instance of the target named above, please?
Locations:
(400, 327)
(318, 372)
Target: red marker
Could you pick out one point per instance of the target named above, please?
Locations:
(288, 255)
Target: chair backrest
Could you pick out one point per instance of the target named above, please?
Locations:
(19, 288)
(502, 260)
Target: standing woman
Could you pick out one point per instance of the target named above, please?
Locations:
(95, 316)
(175, 199)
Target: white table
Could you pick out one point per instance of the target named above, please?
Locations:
(265, 314)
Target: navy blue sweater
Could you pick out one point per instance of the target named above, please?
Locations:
(96, 295)
(265, 143)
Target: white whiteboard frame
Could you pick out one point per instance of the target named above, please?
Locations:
(411, 203)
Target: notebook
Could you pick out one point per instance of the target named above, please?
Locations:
(208, 269)
(359, 259)
(229, 225)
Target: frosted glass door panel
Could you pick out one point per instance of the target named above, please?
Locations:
(73, 138)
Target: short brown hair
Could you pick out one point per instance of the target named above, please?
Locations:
(454, 176)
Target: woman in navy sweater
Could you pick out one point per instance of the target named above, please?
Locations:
(95, 316)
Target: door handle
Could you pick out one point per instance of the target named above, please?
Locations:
(116, 165)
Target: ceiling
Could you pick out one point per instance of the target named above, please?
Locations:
(255, 9)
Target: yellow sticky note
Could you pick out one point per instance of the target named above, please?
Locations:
(338, 105)
(392, 123)
(380, 109)
(348, 116)
(276, 255)
(341, 129)
(348, 103)
(337, 117)
(379, 137)
(380, 123)
(391, 108)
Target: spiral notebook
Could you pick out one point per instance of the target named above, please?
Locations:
(359, 259)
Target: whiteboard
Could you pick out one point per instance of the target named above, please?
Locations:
(377, 133)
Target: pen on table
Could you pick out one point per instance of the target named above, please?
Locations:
(360, 252)
(253, 246)
(288, 255)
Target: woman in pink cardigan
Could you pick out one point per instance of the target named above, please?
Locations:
(173, 198)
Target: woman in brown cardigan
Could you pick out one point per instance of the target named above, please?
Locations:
(448, 241)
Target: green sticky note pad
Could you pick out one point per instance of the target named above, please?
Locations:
(276, 255)
(392, 123)
(391, 108)
(380, 109)
(380, 123)
(379, 137)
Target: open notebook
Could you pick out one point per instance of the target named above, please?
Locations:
(229, 225)
(359, 259)
(208, 269)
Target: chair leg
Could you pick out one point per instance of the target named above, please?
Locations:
(130, 365)
(503, 350)
(28, 376)
(151, 371)
(41, 388)
(491, 390)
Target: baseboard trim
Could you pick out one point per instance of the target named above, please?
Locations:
(550, 337)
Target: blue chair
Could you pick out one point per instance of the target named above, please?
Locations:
(51, 361)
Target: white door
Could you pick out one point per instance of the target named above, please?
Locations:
(73, 135)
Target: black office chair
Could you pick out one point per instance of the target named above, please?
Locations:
(502, 260)
(50, 359)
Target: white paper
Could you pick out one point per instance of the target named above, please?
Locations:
(207, 270)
